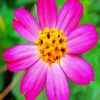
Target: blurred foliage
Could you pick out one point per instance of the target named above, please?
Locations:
(8, 38)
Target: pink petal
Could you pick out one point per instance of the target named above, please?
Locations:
(21, 56)
(82, 39)
(69, 16)
(47, 13)
(77, 69)
(56, 84)
(25, 24)
(34, 80)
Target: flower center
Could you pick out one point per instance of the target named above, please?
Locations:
(51, 45)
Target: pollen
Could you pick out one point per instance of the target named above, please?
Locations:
(51, 45)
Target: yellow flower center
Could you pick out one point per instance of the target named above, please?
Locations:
(51, 45)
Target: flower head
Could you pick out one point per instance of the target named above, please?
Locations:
(51, 40)
(57, 40)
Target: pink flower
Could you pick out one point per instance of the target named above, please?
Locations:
(57, 40)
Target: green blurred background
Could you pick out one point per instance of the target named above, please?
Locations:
(8, 38)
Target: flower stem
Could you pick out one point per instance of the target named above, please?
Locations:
(11, 85)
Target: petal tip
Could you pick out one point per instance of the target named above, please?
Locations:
(5, 55)
(18, 10)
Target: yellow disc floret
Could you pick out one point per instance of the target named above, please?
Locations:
(51, 45)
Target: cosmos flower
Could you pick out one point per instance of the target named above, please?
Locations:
(57, 40)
